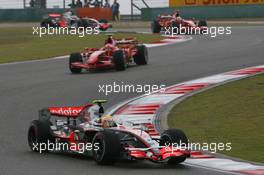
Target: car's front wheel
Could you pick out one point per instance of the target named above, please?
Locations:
(174, 137)
(141, 57)
(119, 60)
(106, 147)
(155, 27)
(202, 23)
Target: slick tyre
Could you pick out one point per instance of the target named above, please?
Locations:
(39, 135)
(119, 60)
(155, 27)
(75, 58)
(106, 147)
(141, 57)
(202, 23)
(174, 136)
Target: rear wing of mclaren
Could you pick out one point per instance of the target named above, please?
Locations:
(67, 111)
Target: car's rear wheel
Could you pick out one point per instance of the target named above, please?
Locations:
(119, 60)
(155, 27)
(75, 58)
(39, 135)
(174, 137)
(106, 147)
(141, 57)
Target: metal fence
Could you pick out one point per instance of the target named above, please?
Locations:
(18, 4)
(131, 9)
(137, 5)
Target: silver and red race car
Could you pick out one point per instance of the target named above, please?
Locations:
(117, 54)
(177, 24)
(74, 130)
(59, 20)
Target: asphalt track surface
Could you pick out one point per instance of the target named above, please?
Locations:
(27, 87)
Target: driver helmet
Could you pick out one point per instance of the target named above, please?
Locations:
(110, 40)
(108, 122)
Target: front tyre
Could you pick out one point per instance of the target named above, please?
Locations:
(75, 58)
(141, 57)
(202, 23)
(39, 135)
(155, 27)
(176, 137)
(106, 147)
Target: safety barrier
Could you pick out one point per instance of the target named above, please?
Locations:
(208, 12)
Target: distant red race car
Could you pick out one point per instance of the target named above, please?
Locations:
(115, 53)
(176, 22)
(59, 20)
(70, 130)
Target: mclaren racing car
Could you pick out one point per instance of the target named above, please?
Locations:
(118, 54)
(74, 130)
(59, 20)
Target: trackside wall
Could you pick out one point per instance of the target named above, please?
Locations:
(208, 12)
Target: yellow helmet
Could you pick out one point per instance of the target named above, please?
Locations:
(108, 122)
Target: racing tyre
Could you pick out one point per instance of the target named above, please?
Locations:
(44, 24)
(75, 58)
(106, 147)
(202, 23)
(174, 136)
(141, 57)
(83, 23)
(119, 60)
(39, 135)
(155, 27)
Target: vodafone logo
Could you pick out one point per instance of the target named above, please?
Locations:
(66, 111)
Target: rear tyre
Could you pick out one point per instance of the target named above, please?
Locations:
(141, 57)
(75, 58)
(39, 135)
(202, 23)
(107, 147)
(174, 136)
(119, 60)
(155, 27)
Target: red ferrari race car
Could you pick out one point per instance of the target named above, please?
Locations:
(61, 20)
(76, 130)
(115, 53)
(177, 25)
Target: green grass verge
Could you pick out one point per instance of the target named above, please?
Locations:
(19, 44)
(230, 113)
